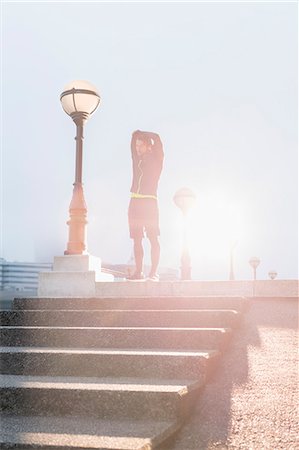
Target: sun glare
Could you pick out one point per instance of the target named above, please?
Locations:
(214, 225)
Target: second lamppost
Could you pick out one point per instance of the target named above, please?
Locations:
(184, 199)
(233, 245)
(254, 262)
(79, 100)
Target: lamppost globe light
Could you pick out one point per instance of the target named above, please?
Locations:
(272, 274)
(80, 97)
(254, 262)
(184, 199)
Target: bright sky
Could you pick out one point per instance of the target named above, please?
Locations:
(217, 81)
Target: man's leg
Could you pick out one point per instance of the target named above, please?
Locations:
(155, 254)
(138, 254)
(136, 233)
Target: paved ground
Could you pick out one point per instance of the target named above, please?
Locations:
(252, 401)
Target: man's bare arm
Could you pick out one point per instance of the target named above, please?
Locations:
(133, 143)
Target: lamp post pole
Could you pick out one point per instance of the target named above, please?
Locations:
(231, 271)
(184, 198)
(78, 209)
(79, 100)
(79, 121)
(254, 262)
(185, 258)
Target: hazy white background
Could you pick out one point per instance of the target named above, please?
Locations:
(217, 81)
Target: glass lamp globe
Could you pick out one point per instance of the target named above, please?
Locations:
(254, 262)
(272, 274)
(80, 96)
(184, 198)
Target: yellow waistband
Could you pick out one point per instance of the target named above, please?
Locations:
(134, 195)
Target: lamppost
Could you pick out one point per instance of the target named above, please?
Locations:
(231, 271)
(184, 199)
(272, 274)
(254, 262)
(79, 100)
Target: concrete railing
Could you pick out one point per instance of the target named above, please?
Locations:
(246, 288)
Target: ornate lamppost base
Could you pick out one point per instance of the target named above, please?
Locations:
(77, 224)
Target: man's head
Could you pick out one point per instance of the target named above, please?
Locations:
(143, 144)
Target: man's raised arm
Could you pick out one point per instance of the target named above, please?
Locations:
(133, 143)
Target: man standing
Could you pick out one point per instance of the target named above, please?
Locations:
(147, 158)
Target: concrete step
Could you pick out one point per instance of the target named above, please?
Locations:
(131, 303)
(121, 318)
(105, 398)
(122, 362)
(107, 337)
(61, 433)
(106, 363)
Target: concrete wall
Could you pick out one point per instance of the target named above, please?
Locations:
(262, 288)
(259, 288)
(278, 288)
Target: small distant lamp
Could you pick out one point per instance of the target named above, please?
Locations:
(272, 274)
(254, 262)
(233, 245)
(79, 100)
(184, 199)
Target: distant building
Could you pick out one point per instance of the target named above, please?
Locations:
(21, 276)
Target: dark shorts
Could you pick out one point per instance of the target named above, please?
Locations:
(143, 216)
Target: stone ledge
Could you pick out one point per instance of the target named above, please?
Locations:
(66, 284)
(245, 288)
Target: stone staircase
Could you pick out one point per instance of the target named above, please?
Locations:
(107, 373)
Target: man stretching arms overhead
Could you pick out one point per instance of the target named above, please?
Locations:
(147, 159)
